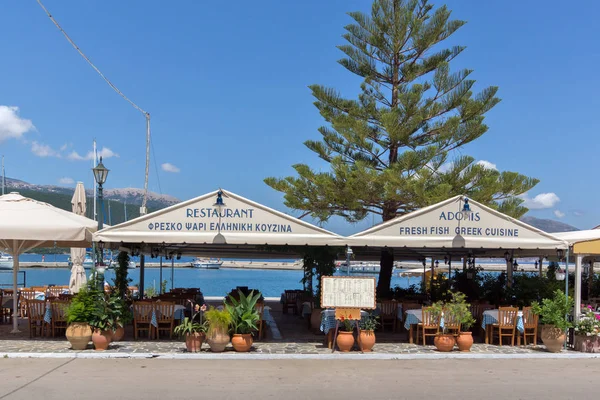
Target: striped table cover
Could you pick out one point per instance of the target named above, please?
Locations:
(178, 314)
(328, 319)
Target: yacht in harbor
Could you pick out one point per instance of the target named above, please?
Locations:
(360, 267)
(6, 261)
(207, 263)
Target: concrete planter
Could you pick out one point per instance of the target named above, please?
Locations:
(587, 344)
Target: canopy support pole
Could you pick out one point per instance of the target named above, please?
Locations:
(142, 270)
(15, 251)
(578, 264)
(172, 272)
(161, 292)
(541, 264)
(509, 273)
(590, 278)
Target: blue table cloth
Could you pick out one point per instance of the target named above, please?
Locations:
(328, 320)
(414, 317)
(490, 317)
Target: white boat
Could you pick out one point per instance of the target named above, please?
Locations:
(360, 267)
(6, 261)
(207, 263)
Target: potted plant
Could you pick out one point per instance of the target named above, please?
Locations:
(366, 339)
(553, 317)
(121, 313)
(244, 318)
(345, 338)
(443, 341)
(193, 329)
(459, 308)
(587, 332)
(103, 322)
(217, 335)
(79, 312)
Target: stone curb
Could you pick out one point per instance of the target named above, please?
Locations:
(332, 356)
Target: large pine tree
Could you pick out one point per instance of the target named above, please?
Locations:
(389, 149)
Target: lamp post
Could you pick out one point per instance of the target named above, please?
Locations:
(100, 174)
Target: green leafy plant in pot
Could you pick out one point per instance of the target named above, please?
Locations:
(217, 335)
(121, 313)
(79, 314)
(460, 311)
(553, 317)
(443, 340)
(244, 319)
(366, 339)
(193, 329)
(104, 320)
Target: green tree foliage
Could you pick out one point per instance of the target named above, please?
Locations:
(389, 149)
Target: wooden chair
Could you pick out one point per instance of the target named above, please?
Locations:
(260, 307)
(451, 323)
(65, 296)
(24, 295)
(429, 322)
(507, 322)
(165, 317)
(142, 318)
(6, 307)
(389, 314)
(39, 288)
(530, 325)
(290, 297)
(55, 291)
(36, 309)
(59, 317)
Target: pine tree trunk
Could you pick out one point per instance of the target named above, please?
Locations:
(385, 273)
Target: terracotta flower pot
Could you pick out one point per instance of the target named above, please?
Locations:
(79, 335)
(345, 341)
(118, 334)
(193, 342)
(101, 339)
(553, 338)
(217, 342)
(366, 340)
(464, 340)
(242, 342)
(444, 342)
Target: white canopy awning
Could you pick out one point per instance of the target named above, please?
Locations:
(196, 225)
(579, 236)
(442, 228)
(26, 223)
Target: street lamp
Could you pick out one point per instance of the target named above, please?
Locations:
(515, 265)
(100, 174)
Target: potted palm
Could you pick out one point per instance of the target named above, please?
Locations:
(553, 317)
(193, 329)
(121, 314)
(217, 335)
(366, 339)
(459, 308)
(345, 338)
(244, 318)
(79, 313)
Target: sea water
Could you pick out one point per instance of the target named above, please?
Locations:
(212, 282)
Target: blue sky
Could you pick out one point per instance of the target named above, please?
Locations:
(227, 90)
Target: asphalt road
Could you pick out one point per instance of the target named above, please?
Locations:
(298, 379)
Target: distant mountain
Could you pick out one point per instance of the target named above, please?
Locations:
(116, 200)
(549, 225)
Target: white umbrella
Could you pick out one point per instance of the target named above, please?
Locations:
(26, 223)
(78, 279)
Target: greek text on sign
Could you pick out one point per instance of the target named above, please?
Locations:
(348, 292)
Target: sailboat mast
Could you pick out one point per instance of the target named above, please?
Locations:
(94, 184)
(109, 216)
(3, 176)
(125, 208)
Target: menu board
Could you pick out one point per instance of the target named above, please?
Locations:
(348, 292)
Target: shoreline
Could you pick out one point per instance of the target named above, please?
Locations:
(265, 265)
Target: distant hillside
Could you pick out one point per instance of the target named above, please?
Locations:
(114, 198)
(548, 225)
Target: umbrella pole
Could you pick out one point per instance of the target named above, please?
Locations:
(172, 272)
(161, 275)
(15, 293)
